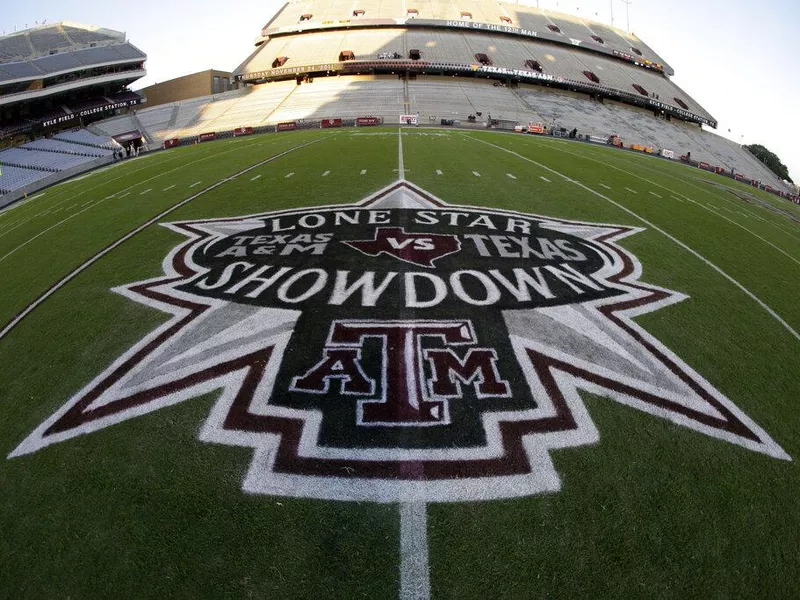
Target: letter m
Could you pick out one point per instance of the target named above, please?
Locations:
(478, 368)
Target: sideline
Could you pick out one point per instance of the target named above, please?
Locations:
(701, 205)
(696, 254)
(32, 306)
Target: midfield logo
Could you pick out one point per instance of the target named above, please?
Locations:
(400, 349)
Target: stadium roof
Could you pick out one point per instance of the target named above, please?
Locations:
(44, 40)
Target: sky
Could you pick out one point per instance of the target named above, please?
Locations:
(737, 59)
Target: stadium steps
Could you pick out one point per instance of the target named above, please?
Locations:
(97, 130)
(142, 128)
(173, 117)
(406, 98)
(280, 104)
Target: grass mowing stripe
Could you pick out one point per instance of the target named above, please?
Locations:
(41, 233)
(752, 296)
(13, 323)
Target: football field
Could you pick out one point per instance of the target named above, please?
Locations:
(380, 363)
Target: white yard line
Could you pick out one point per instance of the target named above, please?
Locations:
(33, 305)
(415, 579)
(401, 168)
(655, 227)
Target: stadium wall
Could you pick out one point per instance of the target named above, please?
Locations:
(203, 83)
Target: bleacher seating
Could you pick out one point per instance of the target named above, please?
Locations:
(44, 160)
(489, 11)
(85, 137)
(53, 145)
(14, 178)
(27, 164)
(342, 97)
(461, 47)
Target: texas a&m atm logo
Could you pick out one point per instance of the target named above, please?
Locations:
(400, 349)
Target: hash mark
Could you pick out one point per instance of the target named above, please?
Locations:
(168, 188)
(288, 175)
(631, 191)
(656, 195)
(363, 171)
(325, 174)
(543, 178)
(144, 192)
(254, 178)
(196, 183)
(510, 175)
(439, 172)
(603, 185)
(123, 195)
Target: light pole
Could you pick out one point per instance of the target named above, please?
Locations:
(627, 4)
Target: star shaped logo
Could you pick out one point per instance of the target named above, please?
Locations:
(400, 349)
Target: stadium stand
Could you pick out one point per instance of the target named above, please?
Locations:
(64, 75)
(85, 138)
(41, 160)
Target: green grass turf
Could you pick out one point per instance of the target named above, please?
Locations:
(144, 509)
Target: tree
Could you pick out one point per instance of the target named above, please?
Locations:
(772, 162)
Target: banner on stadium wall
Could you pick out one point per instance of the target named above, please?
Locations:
(59, 120)
(242, 131)
(287, 126)
(172, 143)
(367, 121)
(408, 119)
(207, 137)
(535, 128)
(326, 123)
(667, 153)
